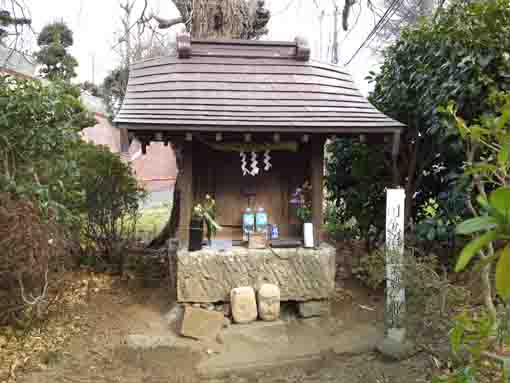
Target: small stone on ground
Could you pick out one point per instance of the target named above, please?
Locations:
(269, 302)
(314, 309)
(394, 349)
(244, 304)
(201, 324)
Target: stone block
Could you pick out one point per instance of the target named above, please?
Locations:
(313, 309)
(268, 302)
(243, 304)
(208, 275)
(201, 324)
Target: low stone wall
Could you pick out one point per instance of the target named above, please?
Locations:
(208, 275)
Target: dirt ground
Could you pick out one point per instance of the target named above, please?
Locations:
(98, 352)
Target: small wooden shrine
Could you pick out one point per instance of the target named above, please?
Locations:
(249, 120)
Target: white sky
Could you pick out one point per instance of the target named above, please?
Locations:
(94, 23)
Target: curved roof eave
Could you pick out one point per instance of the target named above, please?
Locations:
(240, 86)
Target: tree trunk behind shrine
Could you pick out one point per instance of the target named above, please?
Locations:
(214, 19)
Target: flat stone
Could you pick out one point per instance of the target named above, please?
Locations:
(244, 304)
(201, 324)
(208, 275)
(139, 341)
(313, 309)
(395, 349)
(268, 302)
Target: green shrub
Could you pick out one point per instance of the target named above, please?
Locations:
(356, 179)
(111, 204)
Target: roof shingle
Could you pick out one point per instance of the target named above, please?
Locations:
(237, 85)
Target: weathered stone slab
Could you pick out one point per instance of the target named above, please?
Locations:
(314, 309)
(302, 274)
(244, 304)
(141, 341)
(201, 324)
(268, 302)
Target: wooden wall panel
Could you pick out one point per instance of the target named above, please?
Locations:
(219, 173)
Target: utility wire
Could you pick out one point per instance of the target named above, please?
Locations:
(382, 22)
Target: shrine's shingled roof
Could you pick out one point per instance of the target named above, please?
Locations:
(246, 86)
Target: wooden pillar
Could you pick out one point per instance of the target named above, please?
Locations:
(186, 194)
(317, 175)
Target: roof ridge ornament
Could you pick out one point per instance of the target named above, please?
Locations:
(302, 49)
(184, 45)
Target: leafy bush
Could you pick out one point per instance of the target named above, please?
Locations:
(335, 225)
(39, 128)
(460, 55)
(112, 200)
(355, 181)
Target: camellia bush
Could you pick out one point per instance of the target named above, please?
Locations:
(356, 180)
(462, 54)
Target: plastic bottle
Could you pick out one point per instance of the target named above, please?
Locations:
(261, 220)
(248, 223)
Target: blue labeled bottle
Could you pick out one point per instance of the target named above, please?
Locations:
(248, 223)
(261, 221)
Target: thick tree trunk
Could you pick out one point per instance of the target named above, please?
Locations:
(210, 19)
(171, 226)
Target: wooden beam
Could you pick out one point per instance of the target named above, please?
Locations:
(184, 46)
(186, 194)
(302, 49)
(317, 174)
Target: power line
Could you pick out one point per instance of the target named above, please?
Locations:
(382, 22)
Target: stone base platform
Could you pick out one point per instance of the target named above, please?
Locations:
(208, 275)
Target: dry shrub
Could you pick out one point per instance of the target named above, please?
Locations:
(432, 299)
(32, 248)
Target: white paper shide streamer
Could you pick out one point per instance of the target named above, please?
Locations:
(254, 164)
(267, 159)
(253, 168)
(244, 169)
